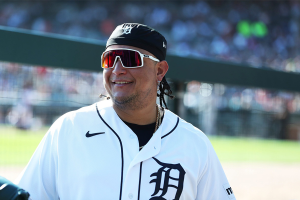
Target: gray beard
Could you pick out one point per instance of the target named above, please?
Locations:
(133, 102)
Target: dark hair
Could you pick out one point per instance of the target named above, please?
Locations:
(164, 89)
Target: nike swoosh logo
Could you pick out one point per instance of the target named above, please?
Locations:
(88, 134)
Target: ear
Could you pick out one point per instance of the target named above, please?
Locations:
(161, 70)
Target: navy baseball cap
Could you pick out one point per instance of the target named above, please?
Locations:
(141, 36)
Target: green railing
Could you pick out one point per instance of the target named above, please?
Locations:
(27, 47)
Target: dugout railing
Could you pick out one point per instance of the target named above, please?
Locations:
(53, 50)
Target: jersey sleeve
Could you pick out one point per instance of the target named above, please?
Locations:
(39, 176)
(213, 183)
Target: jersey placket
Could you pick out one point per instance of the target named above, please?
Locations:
(132, 184)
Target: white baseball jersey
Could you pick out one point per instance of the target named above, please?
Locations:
(90, 154)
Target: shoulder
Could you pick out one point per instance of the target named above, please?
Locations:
(185, 132)
(87, 111)
(195, 136)
(81, 117)
(184, 127)
(191, 143)
(191, 131)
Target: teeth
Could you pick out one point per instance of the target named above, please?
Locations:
(121, 82)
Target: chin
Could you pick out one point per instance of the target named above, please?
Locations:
(128, 102)
(122, 99)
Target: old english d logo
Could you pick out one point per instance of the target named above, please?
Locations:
(166, 169)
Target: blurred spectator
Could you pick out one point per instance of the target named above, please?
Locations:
(260, 33)
(21, 114)
(233, 30)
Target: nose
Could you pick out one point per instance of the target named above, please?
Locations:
(118, 68)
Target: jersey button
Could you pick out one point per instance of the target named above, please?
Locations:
(130, 195)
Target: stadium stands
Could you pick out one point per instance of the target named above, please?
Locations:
(260, 33)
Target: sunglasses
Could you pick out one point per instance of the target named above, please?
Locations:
(129, 58)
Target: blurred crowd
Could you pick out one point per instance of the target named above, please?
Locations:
(259, 33)
(24, 87)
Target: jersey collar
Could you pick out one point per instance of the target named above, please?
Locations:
(152, 148)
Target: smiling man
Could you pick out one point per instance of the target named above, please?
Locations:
(128, 147)
(133, 90)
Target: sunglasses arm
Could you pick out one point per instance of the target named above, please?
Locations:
(151, 57)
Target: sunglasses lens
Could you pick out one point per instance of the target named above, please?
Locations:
(108, 59)
(129, 58)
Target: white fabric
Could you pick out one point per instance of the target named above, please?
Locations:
(68, 165)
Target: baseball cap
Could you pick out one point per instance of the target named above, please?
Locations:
(141, 36)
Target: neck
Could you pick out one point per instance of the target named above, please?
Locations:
(142, 116)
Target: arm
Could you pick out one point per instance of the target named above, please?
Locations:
(213, 183)
(39, 176)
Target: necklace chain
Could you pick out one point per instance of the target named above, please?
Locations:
(157, 122)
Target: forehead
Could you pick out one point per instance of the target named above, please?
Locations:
(116, 46)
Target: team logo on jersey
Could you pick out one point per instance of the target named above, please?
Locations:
(163, 178)
(127, 28)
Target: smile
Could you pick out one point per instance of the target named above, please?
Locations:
(121, 82)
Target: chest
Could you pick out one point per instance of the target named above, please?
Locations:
(113, 168)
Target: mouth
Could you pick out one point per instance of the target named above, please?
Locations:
(121, 82)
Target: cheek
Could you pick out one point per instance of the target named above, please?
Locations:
(147, 79)
(106, 75)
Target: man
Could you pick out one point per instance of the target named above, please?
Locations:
(127, 147)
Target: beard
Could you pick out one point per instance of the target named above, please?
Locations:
(135, 101)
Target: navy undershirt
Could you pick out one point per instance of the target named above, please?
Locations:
(143, 132)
